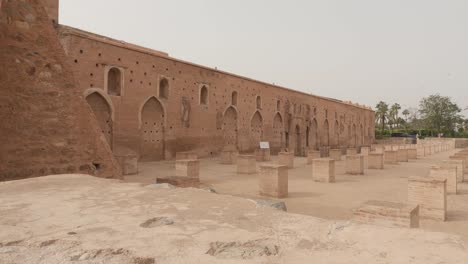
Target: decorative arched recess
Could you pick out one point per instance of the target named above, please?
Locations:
(230, 129)
(278, 128)
(114, 81)
(325, 140)
(336, 135)
(298, 147)
(361, 135)
(152, 135)
(314, 138)
(103, 110)
(354, 138)
(256, 129)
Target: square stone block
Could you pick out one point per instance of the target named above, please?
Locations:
(286, 159)
(182, 182)
(273, 180)
(323, 170)
(229, 156)
(412, 154)
(355, 164)
(390, 157)
(421, 152)
(460, 168)
(335, 154)
(246, 164)
(188, 168)
(430, 194)
(128, 163)
(365, 151)
(262, 155)
(447, 172)
(186, 155)
(351, 151)
(311, 155)
(376, 161)
(427, 150)
(402, 155)
(379, 149)
(388, 214)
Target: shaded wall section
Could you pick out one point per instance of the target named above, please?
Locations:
(46, 125)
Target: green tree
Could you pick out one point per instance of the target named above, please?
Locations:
(406, 113)
(381, 114)
(394, 109)
(439, 113)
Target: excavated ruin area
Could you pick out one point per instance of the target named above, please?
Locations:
(83, 219)
(329, 200)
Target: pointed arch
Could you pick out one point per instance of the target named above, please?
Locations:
(298, 148)
(103, 112)
(230, 135)
(314, 137)
(336, 135)
(325, 139)
(278, 130)
(152, 134)
(256, 129)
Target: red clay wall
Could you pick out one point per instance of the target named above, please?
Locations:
(46, 126)
(188, 125)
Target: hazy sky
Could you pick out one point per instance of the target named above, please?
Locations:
(359, 50)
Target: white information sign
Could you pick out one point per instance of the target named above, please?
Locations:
(264, 145)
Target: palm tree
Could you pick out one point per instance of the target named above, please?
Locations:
(381, 113)
(394, 113)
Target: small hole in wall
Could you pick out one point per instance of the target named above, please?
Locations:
(100, 55)
(131, 72)
(97, 65)
(81, 51)
(131, 80)
(167, 69)
(92, 85)
(76, 61)
(137, 62)
(91, 74)
(119, 59)
(145, 73)
(97, 166)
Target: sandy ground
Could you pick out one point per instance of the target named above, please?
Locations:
(81, 219)
(329, 201)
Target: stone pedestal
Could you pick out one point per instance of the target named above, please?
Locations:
(390, 157)
(246, 164)
(355, 164)
(186, 155)
(262, 155)
(311, 155)
(431, 196)
(388, 214)
(286, 159)
(351, 151)
(412, 154)
(229, 157)
(335, 154)
(273, 180)
(460, 168)
(375, 161)
(323, 170)
(128, 163)
(402, 155)
(188, 168)
(447, 172)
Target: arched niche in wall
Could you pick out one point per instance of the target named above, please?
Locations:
(163, 88)
(256, 129)
(278, 105)
(298, 148)
(204, 96)
(325, 140)
(234, 98)
(103, 111)
(152, 134)
(313, 134)
(354, 138)
(336, 136)
(114, 81)
(230, 130)
(277, 142)
(259, 102)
